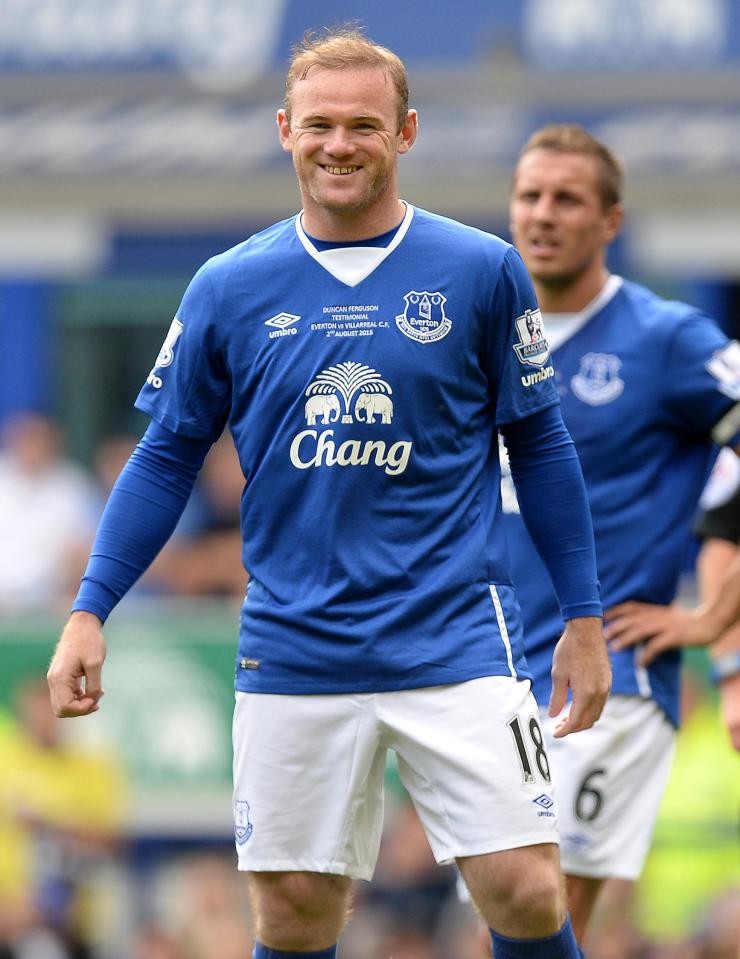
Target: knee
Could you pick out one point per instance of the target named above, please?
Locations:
(539, 900)
(299, 910)
(520, 893)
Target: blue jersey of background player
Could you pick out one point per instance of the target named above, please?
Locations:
(364, 355)
(716, 620)
(646, 387)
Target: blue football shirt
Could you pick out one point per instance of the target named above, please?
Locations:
(642, 384)
(362, 386)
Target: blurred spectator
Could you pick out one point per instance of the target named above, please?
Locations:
(215, 914)
(45, 515)
(209, 559)
(198, 909)
(153, 942)
(60, 818)
(204, 555)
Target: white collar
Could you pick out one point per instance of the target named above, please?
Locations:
(560, 327)
(352, 264)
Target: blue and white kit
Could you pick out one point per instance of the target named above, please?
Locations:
(646, 388)
(363, 386)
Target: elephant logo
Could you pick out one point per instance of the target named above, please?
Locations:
(346, 380)
(423, 318)
(322, 406)
(373, 404)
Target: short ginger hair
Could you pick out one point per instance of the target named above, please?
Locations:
(346, 47)
(571, 138)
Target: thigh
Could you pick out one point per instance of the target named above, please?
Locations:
(473, 759)
(308, 784)
(610, 780)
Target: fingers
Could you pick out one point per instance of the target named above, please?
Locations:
(582, 714)
(624, 609)
(68, 694)
(623, 634)
(631, 623)
(75, 672)
(558, 696)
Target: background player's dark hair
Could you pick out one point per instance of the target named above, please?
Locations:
(571, 138)
(346, 47)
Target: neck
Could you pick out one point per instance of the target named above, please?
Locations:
(570, 296)
(350, 225)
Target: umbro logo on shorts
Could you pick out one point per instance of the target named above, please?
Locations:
(546, 804)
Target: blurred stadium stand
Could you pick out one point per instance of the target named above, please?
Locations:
(137, 138)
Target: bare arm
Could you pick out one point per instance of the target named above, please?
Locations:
(712, 561)
(667, 627)
(716, 622)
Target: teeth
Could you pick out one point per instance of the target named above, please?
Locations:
(341, 170)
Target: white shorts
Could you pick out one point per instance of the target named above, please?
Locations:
(309, 770)
(610, 781)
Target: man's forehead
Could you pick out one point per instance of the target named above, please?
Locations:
(336, 79)
(345, 93)
(556, 166)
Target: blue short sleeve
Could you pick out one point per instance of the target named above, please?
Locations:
(519, 345)
(188, 390)
(701, 374)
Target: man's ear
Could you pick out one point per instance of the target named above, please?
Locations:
(409, 130)
(286, 140)
(614, 219)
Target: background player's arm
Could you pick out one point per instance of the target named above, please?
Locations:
(716, 622)
(667, 627)
(713, 561)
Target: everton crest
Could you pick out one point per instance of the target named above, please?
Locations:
(242, 826)
(532, 347)
(424, 318)
(598, 380)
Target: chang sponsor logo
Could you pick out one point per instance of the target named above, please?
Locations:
(349, 393)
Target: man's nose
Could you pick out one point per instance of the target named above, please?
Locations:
(544, 208)
(339, 142)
